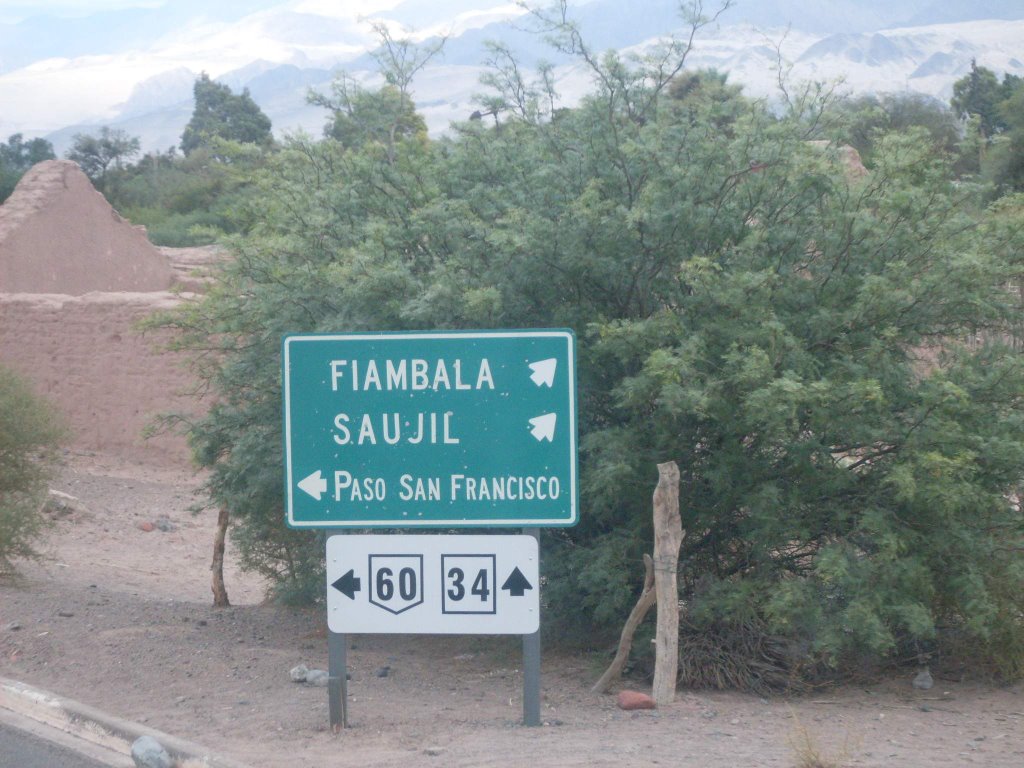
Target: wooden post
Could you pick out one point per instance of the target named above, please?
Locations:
(636, 616)
(220, 592)
(668, 537)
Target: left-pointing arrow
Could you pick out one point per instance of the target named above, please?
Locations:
(348, 584)
(314, 485)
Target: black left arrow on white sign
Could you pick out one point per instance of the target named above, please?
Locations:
(348, 584)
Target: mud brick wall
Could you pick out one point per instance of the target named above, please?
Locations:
(109, 380)
(59, 235)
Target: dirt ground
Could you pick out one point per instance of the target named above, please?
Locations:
(120, 618)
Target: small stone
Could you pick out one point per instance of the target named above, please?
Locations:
(60, 504)
(709, 714)
(65, 614)
(148, 753)
(433, 751)
(634, 700)
(13, 626)
(298, 674)
(317, 677)
(164, 524)
(201, 623)
(146, 526)
(383, 671)
(923, 681)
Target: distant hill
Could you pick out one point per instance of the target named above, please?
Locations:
(279, 53)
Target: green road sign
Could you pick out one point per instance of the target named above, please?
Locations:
(403, 430)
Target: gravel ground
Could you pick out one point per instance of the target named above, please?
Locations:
(120, 618)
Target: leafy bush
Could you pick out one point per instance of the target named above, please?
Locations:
(29, 433)
(824, 353)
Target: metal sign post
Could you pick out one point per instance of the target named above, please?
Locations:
(531, 663)
(337, 680)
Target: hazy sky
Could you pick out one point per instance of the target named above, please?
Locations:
(12, 11)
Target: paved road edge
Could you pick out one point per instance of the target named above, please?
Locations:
(105, 730)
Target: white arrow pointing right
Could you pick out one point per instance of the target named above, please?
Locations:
(544, 371)
(314, 485)
(543, 427)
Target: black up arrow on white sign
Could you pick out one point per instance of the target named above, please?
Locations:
(516, 584)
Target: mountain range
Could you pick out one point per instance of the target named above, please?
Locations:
(134, 69)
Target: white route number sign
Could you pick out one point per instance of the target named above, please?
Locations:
(417, 584)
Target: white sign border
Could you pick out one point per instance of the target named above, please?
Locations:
(519, 615)
(290, 486)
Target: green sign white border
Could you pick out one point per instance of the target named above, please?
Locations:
(291, 483)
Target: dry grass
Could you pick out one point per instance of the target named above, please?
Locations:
(808, 753)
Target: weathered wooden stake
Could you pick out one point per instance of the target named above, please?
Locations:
(220, 592)
(668, 537)
(636, 617)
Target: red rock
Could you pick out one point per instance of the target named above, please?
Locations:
(635, 700)
(146, 526)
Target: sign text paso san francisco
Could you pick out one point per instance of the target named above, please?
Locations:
(430, 429)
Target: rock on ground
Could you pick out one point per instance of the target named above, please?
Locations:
(923, 680)
(317, 677)
(148, 753)
(634, 700)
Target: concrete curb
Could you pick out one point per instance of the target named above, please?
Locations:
(100, 728)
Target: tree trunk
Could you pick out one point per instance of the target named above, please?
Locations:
(220, 592)
(636, 617)
(668, 537)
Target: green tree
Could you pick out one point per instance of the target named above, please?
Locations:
(100, 155)
(991, 108)
(29, 434)
(978, 93)
(221, 114)
(187, 201)
(868, 118)
(359, 116)
(822, 353)
(17, 156)
(1003, 164)
(387, 115)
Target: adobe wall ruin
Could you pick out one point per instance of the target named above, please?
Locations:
(75, 281)
(84, 354)
(59, 235)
